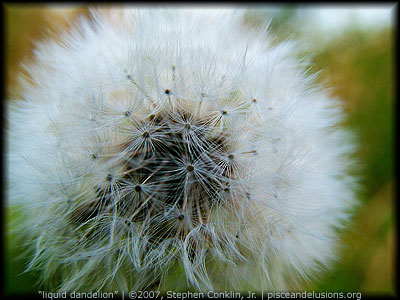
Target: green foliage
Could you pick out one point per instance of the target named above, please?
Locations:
(360, 67)
(16, 280)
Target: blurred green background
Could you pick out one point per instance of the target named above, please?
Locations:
(358, 65)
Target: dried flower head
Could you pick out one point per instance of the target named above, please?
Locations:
(153, 141)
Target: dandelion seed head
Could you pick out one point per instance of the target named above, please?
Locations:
(153, 140)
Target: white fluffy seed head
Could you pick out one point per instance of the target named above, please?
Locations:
(156, 140)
